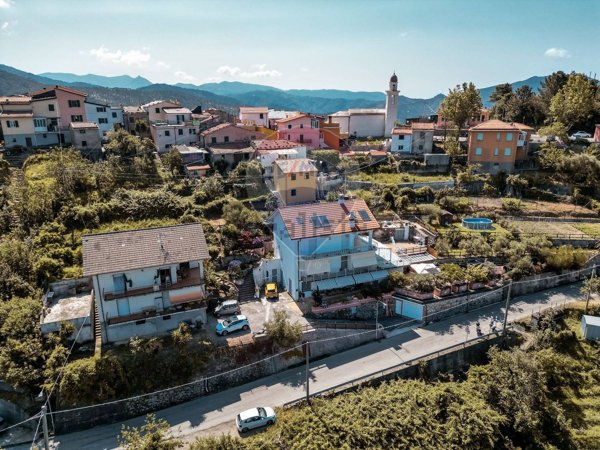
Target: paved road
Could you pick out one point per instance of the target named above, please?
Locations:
(215, 413)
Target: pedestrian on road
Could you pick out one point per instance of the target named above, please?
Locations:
(478, 328)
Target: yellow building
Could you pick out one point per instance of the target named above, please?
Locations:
(295, 180)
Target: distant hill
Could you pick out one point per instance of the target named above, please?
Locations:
(121, 81)
(227, 95)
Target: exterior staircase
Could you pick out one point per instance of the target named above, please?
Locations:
(246, 291)
(97, 330)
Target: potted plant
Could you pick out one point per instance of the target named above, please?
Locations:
(455, 275)
(423, 286)
(477, 276)
(443, 285)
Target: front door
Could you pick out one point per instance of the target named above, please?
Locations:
(165, 277)
(28, 142)
(123, 306)
(119, 284)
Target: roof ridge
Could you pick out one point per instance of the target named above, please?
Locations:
(143, 229)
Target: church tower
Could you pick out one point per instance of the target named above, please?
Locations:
(391, 105)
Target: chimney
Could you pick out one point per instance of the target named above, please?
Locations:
(352, 220)
(341, 199)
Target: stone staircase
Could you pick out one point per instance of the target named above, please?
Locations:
(246, 291)
(97, 331)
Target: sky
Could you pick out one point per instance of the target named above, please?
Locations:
(305, 44)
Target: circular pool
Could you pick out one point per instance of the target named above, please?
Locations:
(477, 223)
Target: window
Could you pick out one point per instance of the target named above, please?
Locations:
(102, 120)
(301, 138)
(81, 131)
(301, 125)
(213, 140)
(401, 147)
(421, 147)
(74, 104)
(131, 119)
(157, 110)
(261, 115)
(192, 131)
(478, 151)
(226, 139)
(364, 215)
(293, 177)
(84, 143)
(12, 123)
(496, 151)
(320, 221)
(507, 151)
(180, 132)
(480, 136)
(289, 127)
(39, 123)
(100, 109)
(50, 107)
(314, 123)
(114, 114)
(401, 137)
(44, 135)
(167, 133)
(77, 118)
(288, 137)
(293, 193)
(498, 137)
(307, 176)
(508, 137)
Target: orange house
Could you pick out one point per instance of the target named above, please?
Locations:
(496, 145)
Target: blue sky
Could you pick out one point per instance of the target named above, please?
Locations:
(345, 44)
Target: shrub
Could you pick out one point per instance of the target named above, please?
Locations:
(282, 331)
(511, 205)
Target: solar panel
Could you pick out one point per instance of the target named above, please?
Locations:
(365, 215)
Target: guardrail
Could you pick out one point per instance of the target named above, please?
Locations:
(382, 373)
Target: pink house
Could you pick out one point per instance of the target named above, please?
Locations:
(303, 129)
(226, 132)
(65, 104)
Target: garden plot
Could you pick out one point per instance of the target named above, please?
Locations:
(548, 228)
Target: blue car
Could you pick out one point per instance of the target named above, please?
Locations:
(234, 323)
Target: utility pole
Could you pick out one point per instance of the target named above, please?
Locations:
(376, 320)
(506, 309)
(307, 353)
(45, 428)
(589, 291)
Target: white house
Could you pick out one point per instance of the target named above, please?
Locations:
(413, 139)
(270, 150)
(146, 281)
(173, 126)
(371, 122)
(105, 116)
(254, 115)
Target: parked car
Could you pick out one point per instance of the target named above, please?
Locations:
(255, 418)
(580, 135)
(227, 308)
(234, 323)
(271, 292)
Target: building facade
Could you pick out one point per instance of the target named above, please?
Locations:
(227, 132)
(496, 145)
(108, 118)
(254, 115)
(85, 136)
(146, 281)
(172, 126)
(295, 180)
(303, 129)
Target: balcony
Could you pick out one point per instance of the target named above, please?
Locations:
(340, 274)
(187, 279)
(346, 251)
(150, 313)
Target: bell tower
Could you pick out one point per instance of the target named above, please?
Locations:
(391, 105)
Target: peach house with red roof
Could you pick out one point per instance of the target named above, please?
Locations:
(303, 129)
(324, 247)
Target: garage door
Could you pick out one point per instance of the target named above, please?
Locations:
(412, 310)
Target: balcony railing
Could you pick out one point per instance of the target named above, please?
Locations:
(192, 278)
(346, 251)
(341, 273)
(150, 313)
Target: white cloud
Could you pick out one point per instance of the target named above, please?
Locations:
(260, 72)
(304, 69)
(213, 79)
(557, 53)
(184, 76)
(130, 57)
(228, 70)
(163, 64)
(5, 4)
(4, 26)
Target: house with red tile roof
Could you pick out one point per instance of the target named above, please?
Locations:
(270, 150)
(295, 180)
(303, 129)
(227, 132)
(325, 247)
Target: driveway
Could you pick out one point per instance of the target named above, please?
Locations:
(258, 312)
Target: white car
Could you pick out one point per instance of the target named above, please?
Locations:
(580, 135)
(234, 323)
(255, 418)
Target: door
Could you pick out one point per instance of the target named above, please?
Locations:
(274, 275)
(165, 277)
(28, 142)
(344, 263)
(123, 306)
(118, 284)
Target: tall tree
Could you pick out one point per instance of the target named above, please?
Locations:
(501, 91)
(461, 103)
(550, 87)
(575, 102)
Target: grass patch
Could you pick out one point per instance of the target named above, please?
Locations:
(459, 227)
(396, 178)
(548, 228)
(591, 229)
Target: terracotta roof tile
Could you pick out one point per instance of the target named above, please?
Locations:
(299, 223)
(289, 119)
(221, 126)
(58, 88)
(495, 124)
(402, 130)
(254, 109)
(422, 126)
(275, 144)
(137, 249)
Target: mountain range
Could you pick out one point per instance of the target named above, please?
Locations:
(227, 95)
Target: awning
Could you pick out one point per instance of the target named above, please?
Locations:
(317, 266)
(365, 259)
(363, 278)
(324, 285)
(186, 295)
(344, 281)
(380, 275)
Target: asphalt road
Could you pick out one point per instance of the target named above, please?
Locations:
(215, 413)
